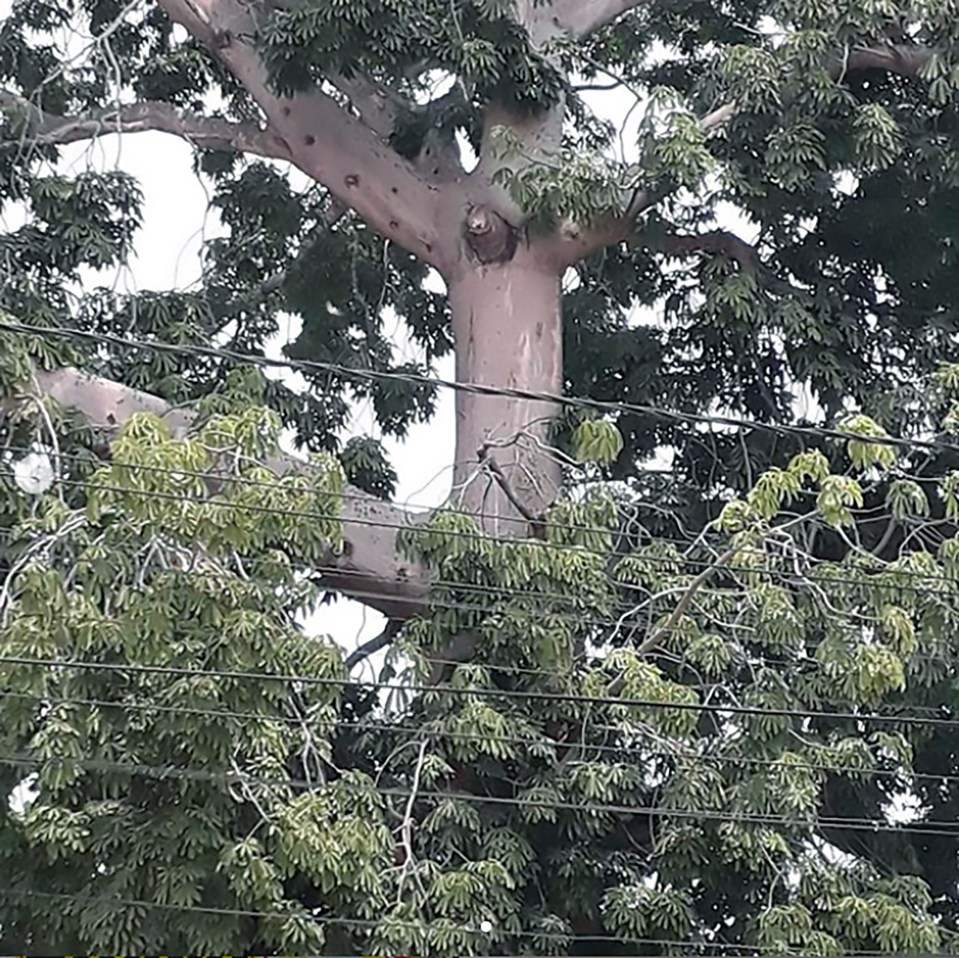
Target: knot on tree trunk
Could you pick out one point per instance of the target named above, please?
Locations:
(489, 238)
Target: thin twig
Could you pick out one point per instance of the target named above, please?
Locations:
(494, 467)
(683, 603)
(406, 828)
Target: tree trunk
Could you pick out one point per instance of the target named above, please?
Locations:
(507, 331)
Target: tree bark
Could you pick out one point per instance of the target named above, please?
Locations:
(508, 333)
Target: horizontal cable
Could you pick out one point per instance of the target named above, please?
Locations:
(941, 828)
(524, 694)
(674, 752)
(303, 365)
(699, 947)
(701, 564)
(584, 621)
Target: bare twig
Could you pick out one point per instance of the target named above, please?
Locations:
(616, 686)
(497, 471)
(406, 828)
(683, 604)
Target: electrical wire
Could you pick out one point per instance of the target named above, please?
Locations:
(419, 510)
(316, 515)
(675, 752)
(698, 948)
(187, 773)
(479, 692)
(941, 828)
(303, 365)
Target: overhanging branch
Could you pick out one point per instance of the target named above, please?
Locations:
(715, 241)
(369, 568)
(213, 133)
(324, 140)
(906, 59)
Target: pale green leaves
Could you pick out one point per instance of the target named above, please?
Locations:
(641, 911)
(210, 490)
(874, 448)
(864, 673)
(752, 75)
(571, 185)
(673, 144)
(643, 683)
(596, 440)
(838, 496)
(793, 153)
(907, 498)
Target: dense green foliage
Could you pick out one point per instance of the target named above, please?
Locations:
(697, 697)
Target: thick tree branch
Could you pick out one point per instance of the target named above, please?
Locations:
(436, 157)
(906, 59)
(362, 652)
(715, 241)
(324, 140)
(40, 127)
(377, 107)
(583, 17)
(368, 569)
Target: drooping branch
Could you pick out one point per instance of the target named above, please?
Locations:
(214, 133)
(369, 567)
(324, 140)
(583, 17)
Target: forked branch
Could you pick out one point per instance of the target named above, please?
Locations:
(324, 140)
(571, 245)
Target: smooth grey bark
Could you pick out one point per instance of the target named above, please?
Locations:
(508, 334)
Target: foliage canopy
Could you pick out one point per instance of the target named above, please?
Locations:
(700, 695)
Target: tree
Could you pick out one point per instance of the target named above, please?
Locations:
(654, 713)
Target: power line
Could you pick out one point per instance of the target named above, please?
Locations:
(701, 947)
(525, 694)
(675, 752)
(935, 827)
(461, 534)
(303, 365)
